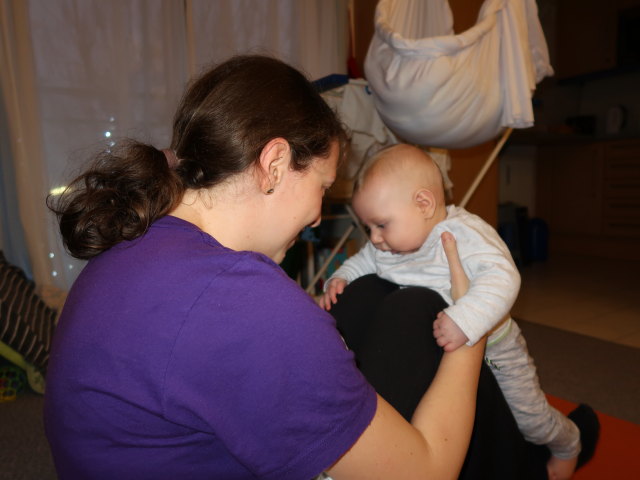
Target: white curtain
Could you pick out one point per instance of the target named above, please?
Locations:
(19, 98)
(312, 35)
(85, 73)
(105, 70)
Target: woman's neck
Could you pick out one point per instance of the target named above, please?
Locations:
(223, 212)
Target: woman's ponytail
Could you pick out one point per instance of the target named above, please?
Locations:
(117, 199)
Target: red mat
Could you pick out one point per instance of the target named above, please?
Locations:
(618, 452)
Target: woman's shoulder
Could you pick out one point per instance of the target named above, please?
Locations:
(175, 255)
(258, 285)
(224, 275)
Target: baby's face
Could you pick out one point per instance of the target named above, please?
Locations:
(392, 219)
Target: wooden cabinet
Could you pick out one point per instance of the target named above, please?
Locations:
(587, 35)
(569, 192)
(589, 194)
(621, 189)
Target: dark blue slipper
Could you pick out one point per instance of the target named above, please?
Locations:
(587, 422)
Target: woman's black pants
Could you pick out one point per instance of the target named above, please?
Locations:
(390, 331)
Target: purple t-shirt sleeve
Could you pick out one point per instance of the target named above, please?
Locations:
(261, 367)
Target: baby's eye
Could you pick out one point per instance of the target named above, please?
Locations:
(380, 226)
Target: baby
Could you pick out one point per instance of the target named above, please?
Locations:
(399, 198)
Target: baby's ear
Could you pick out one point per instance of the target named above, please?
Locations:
(426, 202)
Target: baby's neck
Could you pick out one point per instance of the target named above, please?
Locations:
(440, 214)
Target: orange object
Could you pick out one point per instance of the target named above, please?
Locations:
(618, 451)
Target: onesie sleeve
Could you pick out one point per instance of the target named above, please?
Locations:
(358, 265)
(281, 389)
(494, 280)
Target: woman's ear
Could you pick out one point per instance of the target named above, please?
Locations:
(425, 200)
(274, 163)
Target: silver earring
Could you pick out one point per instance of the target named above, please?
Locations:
(269, 192)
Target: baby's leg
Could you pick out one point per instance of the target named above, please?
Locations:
(538, 421)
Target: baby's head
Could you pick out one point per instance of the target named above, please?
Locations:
(399, 197)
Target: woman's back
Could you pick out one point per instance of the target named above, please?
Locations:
(165, 360)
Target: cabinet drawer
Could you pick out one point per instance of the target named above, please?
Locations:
(623, 149)
(623, 225)
(624, 187)
(622, 168)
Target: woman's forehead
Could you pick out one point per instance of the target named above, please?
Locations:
(328, 166)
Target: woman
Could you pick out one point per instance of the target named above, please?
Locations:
(184, 351)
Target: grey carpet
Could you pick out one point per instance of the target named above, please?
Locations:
(584, 369)
(24, 451)
(571, 366)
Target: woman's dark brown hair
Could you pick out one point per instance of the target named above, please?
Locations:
(224, 120)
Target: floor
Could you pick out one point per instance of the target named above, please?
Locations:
(591, 296)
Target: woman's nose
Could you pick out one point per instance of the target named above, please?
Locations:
(316, 222)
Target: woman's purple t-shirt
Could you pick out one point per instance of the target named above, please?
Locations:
(178, 358)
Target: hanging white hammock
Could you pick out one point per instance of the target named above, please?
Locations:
(434, 88)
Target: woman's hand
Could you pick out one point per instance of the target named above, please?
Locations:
(459, 279)
(447, 334)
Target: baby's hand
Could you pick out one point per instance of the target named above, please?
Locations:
(330, 296)
(447, 334)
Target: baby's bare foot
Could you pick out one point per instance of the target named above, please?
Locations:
(561, 469)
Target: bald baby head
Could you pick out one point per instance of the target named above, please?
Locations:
(407, 167)
(399, 198)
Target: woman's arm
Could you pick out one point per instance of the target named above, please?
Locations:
(436, 442)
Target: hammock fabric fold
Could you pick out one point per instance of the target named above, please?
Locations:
(432, 87)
